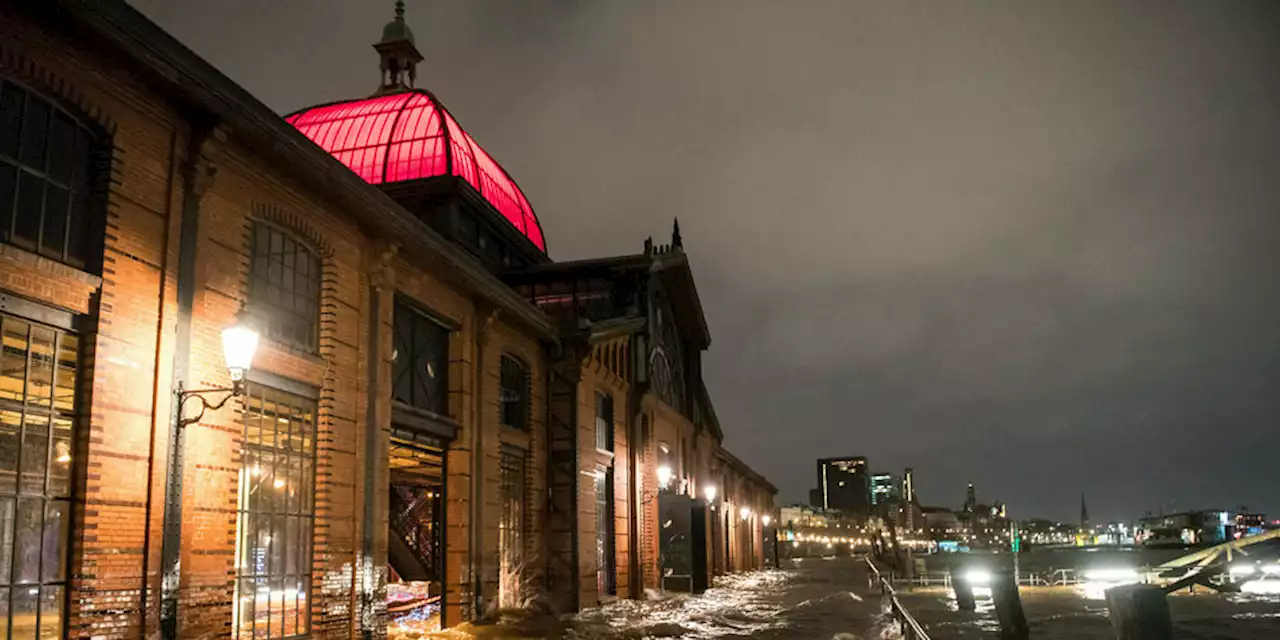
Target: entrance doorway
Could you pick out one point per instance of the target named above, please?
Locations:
(415, 536)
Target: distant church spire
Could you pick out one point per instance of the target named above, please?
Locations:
(676, 241)
(398, 55)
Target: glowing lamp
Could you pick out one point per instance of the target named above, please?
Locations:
(710, 492)
(765, 519)
(664, 476)
(239, 343)
(744, 513)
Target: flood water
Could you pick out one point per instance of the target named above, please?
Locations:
(830, 598)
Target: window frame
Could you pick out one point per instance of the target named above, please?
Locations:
(272, 315)
(305, 517)
(606, 422)
(72, 489)
(513, 521)
(519, 408)
(81, 185)
(420, 318)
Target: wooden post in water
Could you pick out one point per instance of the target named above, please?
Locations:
(963, 588)
(1139, 612)
(1004, 592)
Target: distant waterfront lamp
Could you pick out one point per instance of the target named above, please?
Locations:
(664, 476)
(239, 344)
(710, 492)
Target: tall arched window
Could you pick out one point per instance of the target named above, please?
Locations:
(284, 287)
(46, 178)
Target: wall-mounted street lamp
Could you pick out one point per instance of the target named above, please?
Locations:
(744, 513)
(765, 519)
(710, 492)
(239, 343)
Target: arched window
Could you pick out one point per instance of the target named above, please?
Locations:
(284, 287)
(46, 176)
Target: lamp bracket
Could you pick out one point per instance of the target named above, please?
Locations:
(184, 395)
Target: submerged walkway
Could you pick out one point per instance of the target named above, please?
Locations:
(815, 598)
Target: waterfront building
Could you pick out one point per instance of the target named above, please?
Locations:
(908, 485)
(423, 435)
(844, 484)
(1183, 528)
(1247, 523)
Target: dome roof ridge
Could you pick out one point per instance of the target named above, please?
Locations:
(409, 135)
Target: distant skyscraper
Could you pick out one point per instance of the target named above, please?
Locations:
(908, 486)
(970, 500)
(884, 488)
(844, 484)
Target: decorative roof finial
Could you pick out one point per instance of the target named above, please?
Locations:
(675, 235)
(399, 55)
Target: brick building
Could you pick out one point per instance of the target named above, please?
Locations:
(424, 434)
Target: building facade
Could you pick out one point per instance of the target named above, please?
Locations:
(844, 484)
(399, 452)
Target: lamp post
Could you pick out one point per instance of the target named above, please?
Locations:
(239, 344)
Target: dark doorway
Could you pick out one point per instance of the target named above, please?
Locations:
(682, 543)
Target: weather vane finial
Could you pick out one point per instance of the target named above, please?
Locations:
(400, 10)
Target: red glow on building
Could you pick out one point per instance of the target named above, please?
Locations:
(408, 136)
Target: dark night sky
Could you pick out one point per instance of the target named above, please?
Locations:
(1031, 245)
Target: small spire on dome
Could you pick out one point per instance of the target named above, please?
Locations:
(676, 241)
(399, 55)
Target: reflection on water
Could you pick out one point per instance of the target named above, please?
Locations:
(830, 599)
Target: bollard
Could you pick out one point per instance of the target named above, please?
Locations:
(1004, 593)
(1139, 612)
(963, 589)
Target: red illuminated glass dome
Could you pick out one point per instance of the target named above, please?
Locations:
(409, 136)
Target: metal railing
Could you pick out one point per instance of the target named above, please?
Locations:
(911, 629)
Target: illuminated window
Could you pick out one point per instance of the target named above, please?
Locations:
(275, 515)
(284, 287)
(513, 393)
(420, 374)
(38, 368)
(46, 173)
(511, 527)
(604, 421)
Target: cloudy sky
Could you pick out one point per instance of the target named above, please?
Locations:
(1027, 245)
